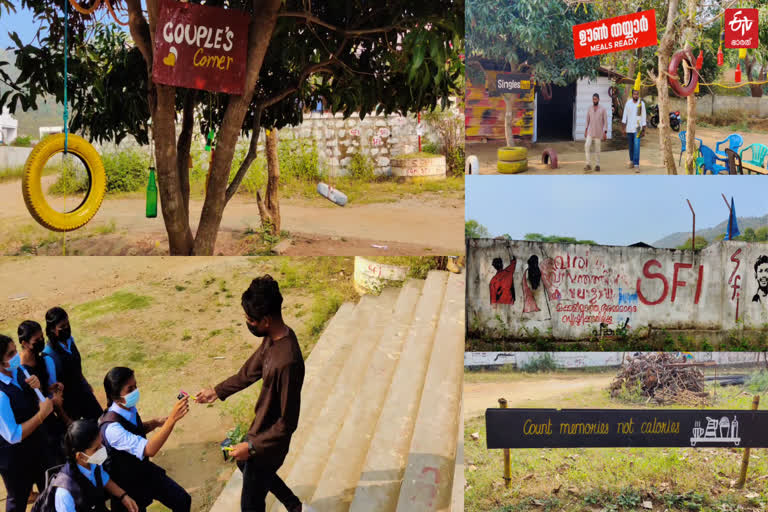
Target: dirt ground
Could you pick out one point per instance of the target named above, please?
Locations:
(479, 396)
(420, 225)
(613, 157)
(178, 323)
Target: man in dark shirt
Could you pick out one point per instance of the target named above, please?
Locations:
(279, 362)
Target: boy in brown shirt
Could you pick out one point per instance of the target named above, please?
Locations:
(279, 362)
(595, 131)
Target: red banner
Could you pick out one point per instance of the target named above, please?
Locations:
(201, 47)
(627, 32)
(741, 28)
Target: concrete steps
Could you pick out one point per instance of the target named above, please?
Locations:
(380, 408)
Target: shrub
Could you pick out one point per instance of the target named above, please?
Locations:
(299, 159)
(22, 142)
(543, 363)
(361, 167)
(449, 128)
(126, 172)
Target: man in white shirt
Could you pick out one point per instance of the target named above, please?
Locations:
(634, 128)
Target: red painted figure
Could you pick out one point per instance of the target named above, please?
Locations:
(502, 284)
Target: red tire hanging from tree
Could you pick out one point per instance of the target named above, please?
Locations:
(674, 83)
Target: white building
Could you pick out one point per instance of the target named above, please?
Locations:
(9, 127)
(49, 130)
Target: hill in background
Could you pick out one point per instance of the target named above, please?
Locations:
(677, 239)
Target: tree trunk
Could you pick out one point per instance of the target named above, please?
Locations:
(509, 114)
(215, 197)
(665, 55)
(269, 206)
(175, 214)
(631, 74)
(690, 135)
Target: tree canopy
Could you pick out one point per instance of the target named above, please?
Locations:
(530, 34)
(473, 229)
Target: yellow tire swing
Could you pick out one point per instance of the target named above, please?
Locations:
(31, 182)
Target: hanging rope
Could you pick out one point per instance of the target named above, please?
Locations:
(96, 5)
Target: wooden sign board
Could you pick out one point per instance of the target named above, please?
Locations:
(510, 83)
(607, 428)
(201, 47)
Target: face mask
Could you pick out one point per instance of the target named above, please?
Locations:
(98, 457)
(64, 335)
(132, 398)
(255, 330)
(38, 346)
(14, 363)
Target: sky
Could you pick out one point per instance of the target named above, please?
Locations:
(20, 22)
(611, 210)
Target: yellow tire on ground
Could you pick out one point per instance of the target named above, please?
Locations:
(512, 167)
(515, 154)
(32, 187)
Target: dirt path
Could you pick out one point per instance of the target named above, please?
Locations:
(436, 223)
(480, 396)
(613, 157)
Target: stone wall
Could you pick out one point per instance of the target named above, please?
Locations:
(588, 290)
(378, 136)
(709, 105)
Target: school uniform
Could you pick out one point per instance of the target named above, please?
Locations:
(22, 462)
(64, 364)
(81, 489)
(55, 428)
(125, 438)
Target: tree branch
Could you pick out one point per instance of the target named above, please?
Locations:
(250, 156)
(310, 18)
(140, 32)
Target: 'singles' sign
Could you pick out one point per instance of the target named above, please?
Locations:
(741, 28)
(513, 83)
(200, 47)
(626, 32)
(572, 428)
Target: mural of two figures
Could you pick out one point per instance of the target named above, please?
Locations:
(502, 285)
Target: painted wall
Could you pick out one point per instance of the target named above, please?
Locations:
(528, 289)
(573, 360)
(484, 114)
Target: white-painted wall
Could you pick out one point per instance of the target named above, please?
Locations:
(584, 91)
(572, 360)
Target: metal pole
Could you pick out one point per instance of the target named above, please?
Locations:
(507, 460)
(745, 460)
(693, 237)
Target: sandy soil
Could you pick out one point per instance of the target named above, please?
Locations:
(427, 224)
(613, 157)
(480, 396)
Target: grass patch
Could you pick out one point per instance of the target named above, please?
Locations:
(541, 364)
(418, 266)
(734, 120)
(423, 154)
(117, 302)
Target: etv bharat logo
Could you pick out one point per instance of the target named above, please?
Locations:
(741, 28)
(742, 25)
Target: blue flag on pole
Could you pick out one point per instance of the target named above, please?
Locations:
(732, 231)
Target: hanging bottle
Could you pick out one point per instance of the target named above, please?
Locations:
(151, 195)
(737, 75)
(700, 60)
(209, 140)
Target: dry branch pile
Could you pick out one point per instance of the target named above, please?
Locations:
(651, 376)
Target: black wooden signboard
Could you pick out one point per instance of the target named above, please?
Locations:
(572, 428)
(515, 83)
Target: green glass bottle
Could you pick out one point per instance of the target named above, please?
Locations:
(151, 195)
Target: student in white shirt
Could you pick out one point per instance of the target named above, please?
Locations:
(634, 128)
(82, 484)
